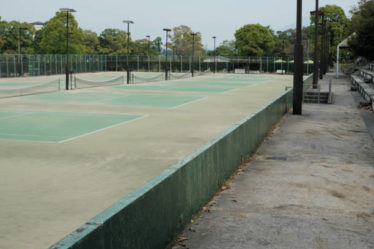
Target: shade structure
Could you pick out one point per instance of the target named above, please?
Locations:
(280, 61)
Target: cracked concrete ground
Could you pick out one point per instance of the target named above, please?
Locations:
(310, 185)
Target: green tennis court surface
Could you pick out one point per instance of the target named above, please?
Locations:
(55, 126)
(174, 88)
(210, 83)
(19, 84)
(116, 99)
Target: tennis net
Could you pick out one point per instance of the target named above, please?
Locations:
(138, 79)
(173, 76)
(202, 73)
(52, 86)
(84, 83)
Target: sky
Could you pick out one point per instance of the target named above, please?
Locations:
(220, 18)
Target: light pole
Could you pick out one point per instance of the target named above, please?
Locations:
(315, 65)
(149, 58)
(214, 51)
(67, 10)
(322, 52)
(19, 38)
(298, 74)
(166, 52)
(193, 53)
(128, 42)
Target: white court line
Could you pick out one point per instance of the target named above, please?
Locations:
(19, 115)
(29, 135)
(108, 127)
(194, 101)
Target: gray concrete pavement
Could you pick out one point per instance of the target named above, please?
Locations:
(310, 185)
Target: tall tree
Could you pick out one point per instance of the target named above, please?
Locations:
(254, 40)
(113, 41)
(157, 45)
(182, 40)
(91, 42)
(284, 41)
(336, 27)
(362, 43)
(226, 48)
(3, 25)
(54, 35)
(12, 32)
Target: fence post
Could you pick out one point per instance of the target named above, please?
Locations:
(159, 63)
(7, 65)
(199, 64)
(181, 63)
(137, 63)
(15, 66)
(170, 65)
(330, 81)
(189, 63)
(267, 64)
(307, 67)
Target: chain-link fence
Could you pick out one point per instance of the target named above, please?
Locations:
(12, 65)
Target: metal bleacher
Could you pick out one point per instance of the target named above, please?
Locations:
(363, 82)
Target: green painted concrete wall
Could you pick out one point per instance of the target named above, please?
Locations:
(150, 217)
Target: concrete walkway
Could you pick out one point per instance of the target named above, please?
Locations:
(311, 185)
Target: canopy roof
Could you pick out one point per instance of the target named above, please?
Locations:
(344, 43)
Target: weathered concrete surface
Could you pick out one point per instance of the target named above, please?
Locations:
(311, 185)
(48, 190)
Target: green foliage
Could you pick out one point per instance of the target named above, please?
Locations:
(254, 40)
(157, 45)
(284, 41)
(336, 27)
(54, 35)
(182, 40)
(91, 42)
(226, 48)
(11, 33)
(141, 47)
(2, 32)
(362, 43)
(113, 41)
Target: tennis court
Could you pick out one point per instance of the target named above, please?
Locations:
(66, 156)
(56, 126)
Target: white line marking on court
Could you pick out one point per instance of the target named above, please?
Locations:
(28, 135)
(231, 90)
(108, 127)
(19, 115)
(194, 101)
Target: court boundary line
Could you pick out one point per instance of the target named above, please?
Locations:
(102, 129)
(193, 101)
(13, 116)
